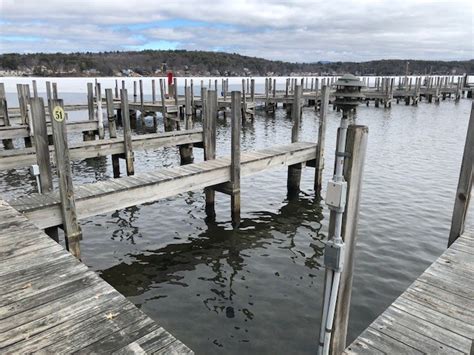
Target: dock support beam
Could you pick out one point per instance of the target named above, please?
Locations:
(112, 130)
(319, 164)
(7, 143)
(463, 191)
(71, 227)
(127, 133)
(294, 171)
(356, 144)
(235, 158)
(41, 143)
(186, 151)
(209, 127)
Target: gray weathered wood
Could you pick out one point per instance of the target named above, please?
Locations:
(7, 143)
(319, 164)
(235, 157)
(100, 121)
(112, 130)
(106, 196)
(294, 172)
(41, 144)
(127, 133)
(54, 304)
(90, 108)
(209, 130)
(463, 191)
(434, 315)
(356, 146)
(71, 227)
(186, 151)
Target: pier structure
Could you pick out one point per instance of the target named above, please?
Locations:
(434, 315)
(52, 302)
(222, 174)
(176, 109)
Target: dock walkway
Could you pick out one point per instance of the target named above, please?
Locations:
(52, 303)
(434, 315)
(106, 196)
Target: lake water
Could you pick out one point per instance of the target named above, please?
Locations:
(258, 289)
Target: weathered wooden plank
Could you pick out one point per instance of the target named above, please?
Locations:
(51, 303)
(463, 192)
(63, 164)
(182, 180)
(414, 339)
(434, 315)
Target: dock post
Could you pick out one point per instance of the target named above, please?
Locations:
(244, 102)
(463, 191)
(100, 118)
(356, 144)
(266, 94)
(167, 122)
(186, 150)
(23, 99)
(209, 129)
(127, 133)
(134, 91)
(35, 88)
(153, 91)
(71, 227)
(116, 89)
(252, 98)
(7, 143)
(319, 164)
(236, 122)
(294, 171)
(193, 110)
(142, 113)
(40, 139)
(41, 142)
(112, 130)
(90, 135)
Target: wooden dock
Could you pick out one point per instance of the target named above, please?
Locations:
(434, 315)
(106, 196)
(52, 303)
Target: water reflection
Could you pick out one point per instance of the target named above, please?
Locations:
(218, 248)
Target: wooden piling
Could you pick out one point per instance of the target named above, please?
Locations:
(294, 171)
(127, 134)
(89, 136)
(235, 157)
(112, 130)
(134, 91)
(41, 142)
(40, 139)
(71, 227)
(209, 129)
(167, 123)
(319, 164)
(186, 151)
(7, 143)
(100, 118)
(35, 88)
(463, 191)
(356, 145)
(153, 91)
(244, 101)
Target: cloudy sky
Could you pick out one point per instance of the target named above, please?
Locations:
(290, 30)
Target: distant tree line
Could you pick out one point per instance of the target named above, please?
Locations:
(150, 62)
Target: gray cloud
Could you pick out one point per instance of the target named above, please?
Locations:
(298, 30)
